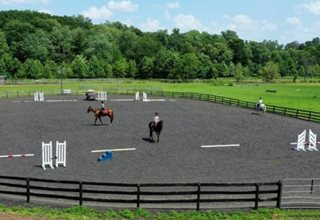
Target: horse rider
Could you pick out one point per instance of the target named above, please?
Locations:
(156, 119)
(260, 102)
(102, 107)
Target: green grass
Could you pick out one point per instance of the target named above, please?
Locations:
(92, 214)
(295, 95)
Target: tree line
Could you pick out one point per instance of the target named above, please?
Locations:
(36, 45)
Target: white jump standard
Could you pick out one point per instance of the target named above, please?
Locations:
(61, 153)
(60, 156)
(102, 96)
(38, 96)
(301, 141)
(47, 155)
(220, 145)
(312, 141)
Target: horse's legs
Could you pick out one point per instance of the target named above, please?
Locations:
(100, 120)
(158, 134)
(95, 121)
(150, 134)
(111, 117)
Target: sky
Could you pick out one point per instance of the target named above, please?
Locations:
(284, 21)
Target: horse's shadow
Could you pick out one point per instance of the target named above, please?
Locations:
(97, 125)
(38, 166)
(256, 113)
(150, 140)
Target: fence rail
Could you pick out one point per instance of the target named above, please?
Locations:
(301, 193)
(178, 195)
(290, 112)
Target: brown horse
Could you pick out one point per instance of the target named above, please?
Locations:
(98, 114)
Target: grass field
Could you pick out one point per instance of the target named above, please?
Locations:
(304, 96)
(142, 214)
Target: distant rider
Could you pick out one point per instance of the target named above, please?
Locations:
(102, 107)
(260, 102)
(156, 119)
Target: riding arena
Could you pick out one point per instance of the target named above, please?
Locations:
(200, 142)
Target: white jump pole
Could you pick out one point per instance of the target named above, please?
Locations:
(16, 155)
(294, 143)
(220, 145)
(113, 150)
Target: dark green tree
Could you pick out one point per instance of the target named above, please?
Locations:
(80, 67)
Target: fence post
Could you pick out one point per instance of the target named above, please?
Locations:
(198, 196)
(28, 189)
(80, 193)
(256, 201)
(312, 182)
(309, 115)
(279, 194)
(138, 195)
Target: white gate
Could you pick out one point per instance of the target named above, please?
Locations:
(301, 193)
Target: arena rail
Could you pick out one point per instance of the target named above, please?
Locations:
(285, 111)
(164, 195)
(290, 112)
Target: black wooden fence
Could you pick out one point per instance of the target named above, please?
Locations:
(165, 195)
(290, 112)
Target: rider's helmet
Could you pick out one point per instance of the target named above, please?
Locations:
(102, 102)
(156, 113)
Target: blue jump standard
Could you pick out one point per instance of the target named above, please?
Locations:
(106, 156)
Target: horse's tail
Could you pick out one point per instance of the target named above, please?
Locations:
(160, 124)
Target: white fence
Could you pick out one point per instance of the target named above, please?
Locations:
(301, 193)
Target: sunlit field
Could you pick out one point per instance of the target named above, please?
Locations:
(295, 95)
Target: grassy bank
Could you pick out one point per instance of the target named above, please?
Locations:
(295, 95)
(89, 213)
